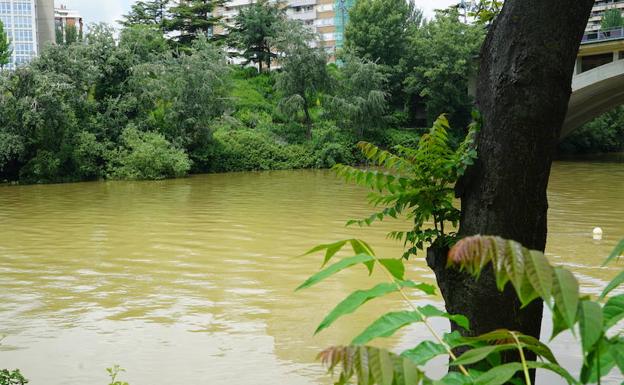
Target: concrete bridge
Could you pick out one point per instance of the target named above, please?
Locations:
(598, 83)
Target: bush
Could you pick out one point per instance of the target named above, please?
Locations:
(255, 150)
(147, 155)
(12, 378)
(603, 134)
(89, 156)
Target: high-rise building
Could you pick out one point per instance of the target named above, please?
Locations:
(325, 17)
(29, 25)
(65, 19)
(600, 6)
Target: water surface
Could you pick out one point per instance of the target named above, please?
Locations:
(191, 281)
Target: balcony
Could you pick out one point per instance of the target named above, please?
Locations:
(601, 36)
(301, 3)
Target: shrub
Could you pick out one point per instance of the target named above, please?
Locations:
(89, 156)
(255, 150)
(12, 378)
(147, 155)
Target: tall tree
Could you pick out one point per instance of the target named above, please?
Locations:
(523, 89)
(378, 29)
(193, 18)
(304, 70)
(360, 99)
(253, 30)
(150, 12)
(5, 47)
(612, 18)
(440, 61)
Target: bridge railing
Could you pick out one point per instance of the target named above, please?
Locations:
(605, 35)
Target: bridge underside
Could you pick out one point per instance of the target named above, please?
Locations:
(593, 93)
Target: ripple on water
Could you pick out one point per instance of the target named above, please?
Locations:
(191, 280)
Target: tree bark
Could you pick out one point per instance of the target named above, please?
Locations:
(523, 90)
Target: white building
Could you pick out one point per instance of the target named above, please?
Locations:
(29, 25)
(600, 6)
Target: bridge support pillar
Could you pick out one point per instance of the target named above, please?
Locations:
(578, 65)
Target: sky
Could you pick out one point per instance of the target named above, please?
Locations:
(109, 11)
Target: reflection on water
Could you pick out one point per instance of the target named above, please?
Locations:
(191, 281)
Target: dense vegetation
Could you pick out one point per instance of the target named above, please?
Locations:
(161, 100)
(142, 105)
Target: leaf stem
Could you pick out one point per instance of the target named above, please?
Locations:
(525, 368)
(420, 314)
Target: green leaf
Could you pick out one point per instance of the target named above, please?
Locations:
(553, 368)
(332, 249)
(355, 300)
(600, 360)
(335, 268)
(619, 250)
(424, 287)
(590, 322)
(454, 378)
(499, 374)
(479, 354)
(499, 335)
(559, 324)
(613, 310)
(617, 281)
(395, 267)
(616, 348)
(432, 311)
(566, 293)
(540, 275)
(424, 352)
(387, 325)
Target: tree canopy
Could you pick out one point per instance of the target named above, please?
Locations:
(191, 19)
(612, 18)
(378, 30)
(149, 12)
(254, 28)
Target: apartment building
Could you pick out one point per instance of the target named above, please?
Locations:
(325, 17)
(600, 6)
(64, 18)
(29, 25)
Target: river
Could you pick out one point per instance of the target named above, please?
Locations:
(190, 281)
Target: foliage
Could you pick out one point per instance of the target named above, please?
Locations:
(360, 100)
(150, 12)
(147, 155)
(12, 378)
(378, 29)
(440, 62)
(192, 19)
(5, 47)
(485, 11)
(603, 134)
(180, 96)
(254, 28)
(113, 373)
(612, 18)
(417, 183)
(255, 150)
(304, 72)
(531, 276)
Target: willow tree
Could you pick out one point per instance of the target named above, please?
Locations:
(523, 90)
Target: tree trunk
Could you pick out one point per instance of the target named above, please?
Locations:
(523, 90)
